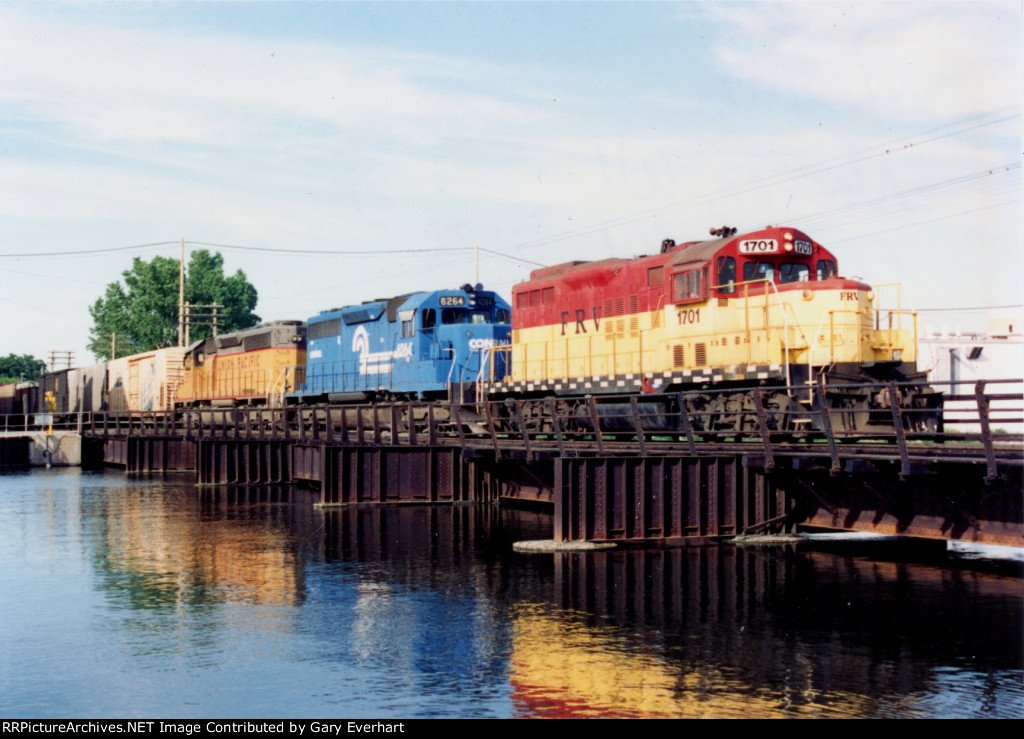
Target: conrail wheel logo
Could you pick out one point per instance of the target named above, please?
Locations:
(374, 363)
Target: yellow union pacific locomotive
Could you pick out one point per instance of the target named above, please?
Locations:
(255, 365)
(766, 308)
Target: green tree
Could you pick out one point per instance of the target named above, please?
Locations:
(14, 368)
(142, 313)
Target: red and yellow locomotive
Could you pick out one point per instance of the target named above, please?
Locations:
(766, 308)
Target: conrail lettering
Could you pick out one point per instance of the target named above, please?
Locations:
(581, 319)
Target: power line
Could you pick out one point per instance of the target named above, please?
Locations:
(757, 184)
(509, 256)
(921, 223)
(979, 307)
(824, 165)
(88, 251)
(331, 252)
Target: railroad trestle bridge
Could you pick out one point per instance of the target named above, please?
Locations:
(653, 469)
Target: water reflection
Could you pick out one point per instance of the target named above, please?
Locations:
(165, 548)
(144, 595)
(727, 632)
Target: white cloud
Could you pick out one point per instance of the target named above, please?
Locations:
(129, 86)
(125, 136)
(901, 60)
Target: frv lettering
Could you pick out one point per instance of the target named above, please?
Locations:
(581, 319)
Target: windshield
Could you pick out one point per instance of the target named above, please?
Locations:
(786, 271)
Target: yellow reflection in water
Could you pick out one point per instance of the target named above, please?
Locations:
(565, 668)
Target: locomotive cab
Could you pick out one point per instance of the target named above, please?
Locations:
(776, 298)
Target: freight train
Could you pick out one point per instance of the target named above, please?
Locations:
(766, 309)
(421, 346)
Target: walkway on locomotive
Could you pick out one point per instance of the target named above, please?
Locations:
(742, 307)
(408, 345)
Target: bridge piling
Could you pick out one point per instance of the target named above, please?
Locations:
(665, 469)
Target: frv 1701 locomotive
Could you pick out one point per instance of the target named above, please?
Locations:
(758, 309)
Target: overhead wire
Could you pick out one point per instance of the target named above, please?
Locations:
(757, 184)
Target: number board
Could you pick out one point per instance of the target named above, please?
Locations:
(485, 302)
(759, 246)
(803, 247)
(451, 301)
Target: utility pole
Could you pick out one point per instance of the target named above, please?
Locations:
(201, 315)
(60, 356)
(182, 338)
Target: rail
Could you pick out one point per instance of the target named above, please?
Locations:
(981, 427)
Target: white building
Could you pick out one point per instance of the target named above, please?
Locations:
(962, 359)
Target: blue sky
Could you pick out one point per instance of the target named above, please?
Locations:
(890, 132)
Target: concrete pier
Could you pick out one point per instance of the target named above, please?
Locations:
(65, 448)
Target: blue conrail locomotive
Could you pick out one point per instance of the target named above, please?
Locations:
(427, 345)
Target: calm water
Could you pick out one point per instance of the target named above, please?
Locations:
(141, 598)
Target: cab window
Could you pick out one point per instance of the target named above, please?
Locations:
(453, 315)
(726, 274)
(758, 271)
(826, 269)
(429, 318)
(479, 316)
(688, 286)
(503, 315)
(794, 272)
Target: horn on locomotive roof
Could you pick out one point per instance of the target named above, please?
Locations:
(723, 232)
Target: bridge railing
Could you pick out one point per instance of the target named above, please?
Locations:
(31, 422)
(904, 422)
